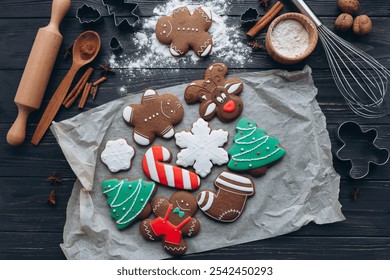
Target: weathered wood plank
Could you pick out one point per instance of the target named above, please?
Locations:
(24, 30)
(45, 246)
(34, 8)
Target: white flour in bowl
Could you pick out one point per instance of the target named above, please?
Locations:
(290, 38)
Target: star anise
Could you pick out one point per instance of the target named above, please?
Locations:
(52, 198)
(355, 194)
(106, 70)
(54, 179)
(264, 3)
(256, 46)
(68, 51)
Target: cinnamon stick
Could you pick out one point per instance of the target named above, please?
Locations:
(101, 80)
(267, 18)
(84, 97)
(94, 90)
(72, 96)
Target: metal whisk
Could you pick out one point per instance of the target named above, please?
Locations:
(360, 78)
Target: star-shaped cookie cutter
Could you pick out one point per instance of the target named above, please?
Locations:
(119, 9)
(360, 149)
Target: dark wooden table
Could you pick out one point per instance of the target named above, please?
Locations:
(31, 229)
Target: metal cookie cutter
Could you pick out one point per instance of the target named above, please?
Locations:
(87, 14)
(360, 149)
(249, 17)
(120, 10)
(115, 45)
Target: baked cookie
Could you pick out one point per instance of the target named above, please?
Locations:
(253, 150)
(167, 174)
(201, 147)
(216, 94)
(174, 221)
(184, 30)
(117, 155)
(129, 200)
(227, 204)
(156, 115)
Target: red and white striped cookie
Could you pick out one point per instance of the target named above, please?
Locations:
(167, 174)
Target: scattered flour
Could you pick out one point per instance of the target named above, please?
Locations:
(151, 54)
(290, 38)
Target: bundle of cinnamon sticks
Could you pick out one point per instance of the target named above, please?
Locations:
(265, 20)
(84, 88)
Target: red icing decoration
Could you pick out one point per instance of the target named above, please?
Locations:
(171, 233)
(258, 153)
(178, 173)
(229, 107)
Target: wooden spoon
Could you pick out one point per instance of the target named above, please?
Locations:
(85, 49)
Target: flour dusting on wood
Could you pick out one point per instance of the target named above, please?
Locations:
(150, 53)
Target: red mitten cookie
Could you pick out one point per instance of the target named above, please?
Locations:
(156, 115)
(184, 30)
(174, 221)
(216, 94)
(227, 204)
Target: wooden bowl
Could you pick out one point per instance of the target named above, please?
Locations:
(307, 24)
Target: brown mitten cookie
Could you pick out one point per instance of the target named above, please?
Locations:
(174, 221)
(216, 94)
(184, 30)
(156, 115)
(227, 204)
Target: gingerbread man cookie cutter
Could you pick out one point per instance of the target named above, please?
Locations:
(184, 30)
(360, 149)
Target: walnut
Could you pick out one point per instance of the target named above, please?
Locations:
(362, 25)
(349, 6)
(344, 22)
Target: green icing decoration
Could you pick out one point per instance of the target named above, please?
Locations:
(127, 199)
(252, 147)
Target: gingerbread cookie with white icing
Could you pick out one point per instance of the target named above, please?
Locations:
(217, 95)
(174, 221)
(156, 115)
(184, 30)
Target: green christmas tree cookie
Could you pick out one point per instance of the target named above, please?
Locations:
(253, 150)
(128, 200)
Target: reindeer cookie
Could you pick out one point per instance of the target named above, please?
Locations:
(174, 221)
(216, 94)
(184, 30)
(156, 115)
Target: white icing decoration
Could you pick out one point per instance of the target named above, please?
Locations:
(238, 141)
(210, 109)
(235, 177)
(141, 140)
(201, 147)
(117, 155)
(127, 113)
(208, 12)
(207, 50)
(233, 87)
(209, 202)
(174, 52)
(150, 92)
(233, 186)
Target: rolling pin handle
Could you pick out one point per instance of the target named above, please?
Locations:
(58, 12)
(17, 132)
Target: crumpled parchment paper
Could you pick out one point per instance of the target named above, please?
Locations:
(301, 188)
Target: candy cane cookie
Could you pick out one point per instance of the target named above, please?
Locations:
(167, 174)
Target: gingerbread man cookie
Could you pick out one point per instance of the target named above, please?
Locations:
(174, 221)
(156, 115)
(184, 30)
(216, 94)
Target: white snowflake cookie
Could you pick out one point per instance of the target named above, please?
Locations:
(201, 148)
(117, 155)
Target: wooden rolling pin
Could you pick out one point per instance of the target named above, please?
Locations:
(37, 72)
